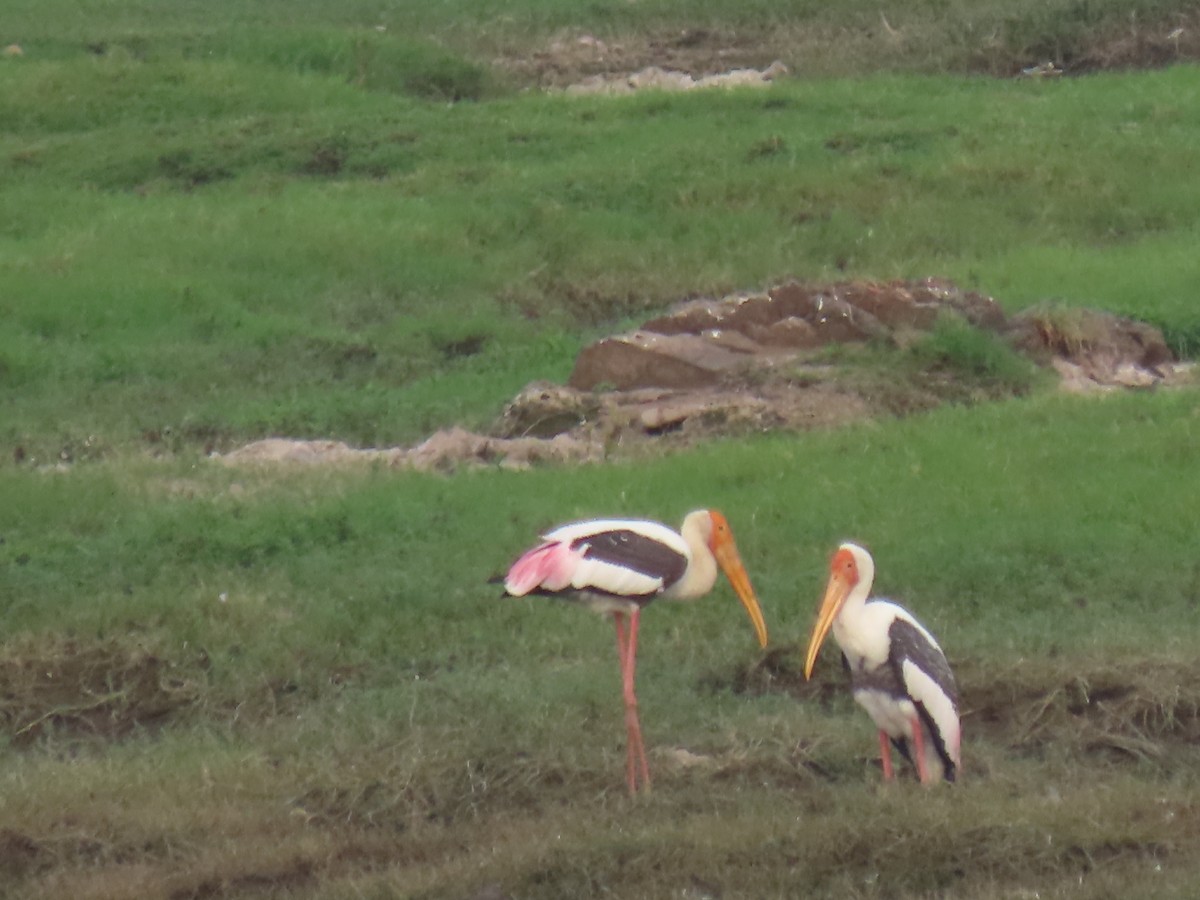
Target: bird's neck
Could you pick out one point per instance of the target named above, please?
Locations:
(847, 624)
(701, 574)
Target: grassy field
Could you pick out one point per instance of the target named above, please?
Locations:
(220, 222)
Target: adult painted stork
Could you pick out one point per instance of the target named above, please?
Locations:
(617, 566)
(898, 672)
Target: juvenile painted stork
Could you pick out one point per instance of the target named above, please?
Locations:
(617, 566)
(898, 672)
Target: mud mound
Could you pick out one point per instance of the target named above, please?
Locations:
(704, 342)
(803, 355)
(76, 689)
(795, 357)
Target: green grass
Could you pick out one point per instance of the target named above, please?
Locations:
(227, 221)
(363, 690)
(99, 547)
(224, 252)
(814, 38)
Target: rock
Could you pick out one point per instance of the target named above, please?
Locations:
(672, 413)
(791, 332)
(836, 321)
(733, 341)
(691, 317)
(794, 299)
(980, 311)
(646, 359)
(543, 410)
(896, 307)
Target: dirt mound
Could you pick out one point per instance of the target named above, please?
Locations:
(797, 356)
(702, 342)
(444, 451)
(1095, 351)
(674, 59)
(818, 355)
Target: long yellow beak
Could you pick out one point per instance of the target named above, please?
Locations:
(731, 564)
(836, 592)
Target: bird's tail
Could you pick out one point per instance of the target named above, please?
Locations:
(548, 566)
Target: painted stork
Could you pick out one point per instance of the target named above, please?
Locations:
(898, 672)
(617, 566)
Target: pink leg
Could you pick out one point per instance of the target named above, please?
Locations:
(619, 622)
(919, 744)
(618, 619)
(885, 752)
(635, 757)
(634, 621)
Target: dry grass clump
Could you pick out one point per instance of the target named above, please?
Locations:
(1132, 709)
(1137, 708)
(103, 689)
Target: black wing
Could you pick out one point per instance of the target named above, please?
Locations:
(634, 551)
(910, 643)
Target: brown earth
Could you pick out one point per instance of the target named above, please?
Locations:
(585, 62)
(795, 357)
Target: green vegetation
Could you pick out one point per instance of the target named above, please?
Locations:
(224, 253)
(223, 221)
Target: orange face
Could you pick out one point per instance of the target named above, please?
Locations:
(844, 566)
(720, 530)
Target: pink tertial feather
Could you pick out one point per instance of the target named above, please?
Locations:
(550, 566)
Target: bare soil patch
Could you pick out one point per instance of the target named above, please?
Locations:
(570, 59)
(632, 61)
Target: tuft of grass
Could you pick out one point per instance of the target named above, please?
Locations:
(978, 356)
(373, 59)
